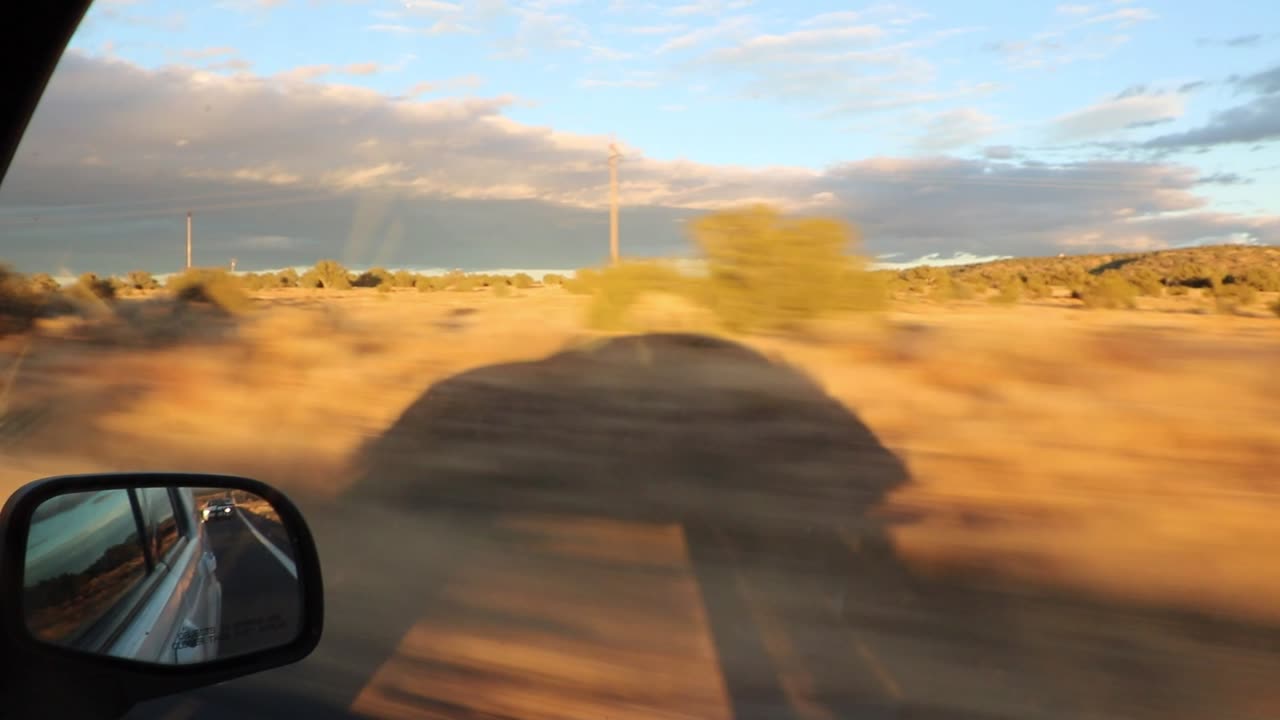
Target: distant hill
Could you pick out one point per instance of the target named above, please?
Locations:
(1190, 267)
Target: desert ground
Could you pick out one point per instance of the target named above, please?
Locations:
(961, 511)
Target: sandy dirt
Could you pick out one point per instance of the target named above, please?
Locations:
(968, 511)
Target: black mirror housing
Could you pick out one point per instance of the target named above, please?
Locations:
(46, 680)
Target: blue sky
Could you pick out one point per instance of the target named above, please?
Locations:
(1126, 125)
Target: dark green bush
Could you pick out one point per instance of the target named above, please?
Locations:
(583, 282)
(374, 277)
(21, 302)
(89, 285)
(287, 278)
(464, 284)
(1228, 297)
(328, 274)
(211, 286)
(616, 289)
(1036, 286)
(1260, 278)
(141, 280)
(1110, 291)
(770, 272)
(1010, 292)
(41, 283)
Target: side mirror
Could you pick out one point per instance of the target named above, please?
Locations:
(118, 588)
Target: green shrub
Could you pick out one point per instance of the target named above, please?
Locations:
(766, 271)
(1228, 297)
(1110, 291)
(1036, 286)
(403, 279)
(212, 286)
(1260, 278)
(424, 284)
(374, 277)
(866, 291)
(141, 280)
(617, 288)
(961, 290)
(41, 283)
(553, 279)
(385, 287)
(522, 281)
(287, 278)
(1147, 282)
(21, 301)
(330, 275)
(501, 290)
(90, 285)
(583, 282)
(1009, 293)
(942, 288)
(464, 284)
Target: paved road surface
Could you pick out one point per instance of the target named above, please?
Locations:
(509, 617)
(260, 601)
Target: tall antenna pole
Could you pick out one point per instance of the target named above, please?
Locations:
(614, 156)
(188, 239)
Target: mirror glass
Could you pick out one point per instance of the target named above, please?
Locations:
(162, 575)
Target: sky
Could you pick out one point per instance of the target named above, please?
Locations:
(474, 133)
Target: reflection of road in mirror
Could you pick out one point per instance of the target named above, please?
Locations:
(254, 560)
(162, 575)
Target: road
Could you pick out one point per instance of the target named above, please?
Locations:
(673, 527)
(509, 617)
(260, 599)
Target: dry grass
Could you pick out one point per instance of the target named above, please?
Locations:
(1129, 454)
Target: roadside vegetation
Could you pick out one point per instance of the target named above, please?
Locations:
(756, 270)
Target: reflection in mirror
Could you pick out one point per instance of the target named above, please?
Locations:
(161, 575)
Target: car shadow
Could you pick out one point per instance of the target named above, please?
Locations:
(520, 507)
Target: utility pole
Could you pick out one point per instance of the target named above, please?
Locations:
(614, 156)
(188, 239)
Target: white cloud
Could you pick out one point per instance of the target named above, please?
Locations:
(839, 17)
(1073, 9)
(708, 7)
(444, 26)
(434, 6)
(599, 52)
(1117, 113)
(209, 52)
(454, 83)
(632, 80)
(1124, 17)
(956, 128)
(694, 38)
(274, 144)
(655, 29)
(798, 41)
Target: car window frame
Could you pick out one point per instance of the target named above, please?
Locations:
(106, 630)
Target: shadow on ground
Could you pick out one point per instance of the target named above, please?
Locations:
(678, 526)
